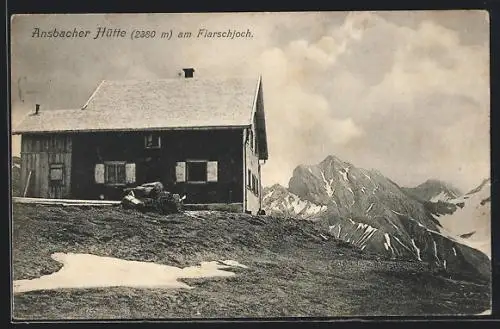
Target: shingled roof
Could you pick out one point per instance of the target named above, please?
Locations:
(158, 104)
(163, 104)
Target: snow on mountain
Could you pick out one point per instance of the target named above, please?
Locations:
(279, 201)
(366, 209)
(433, 190)
(471, 220)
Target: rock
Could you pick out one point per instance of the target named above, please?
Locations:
(147, 190)
(152, 197)
(131, 202)
(168, 203)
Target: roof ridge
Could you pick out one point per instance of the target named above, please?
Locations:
(186, 79)
(93, 94)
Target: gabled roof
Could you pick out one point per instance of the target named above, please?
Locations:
(155, 105)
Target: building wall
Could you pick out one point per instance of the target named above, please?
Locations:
(40, 153)
(223, 146)
(253, 189)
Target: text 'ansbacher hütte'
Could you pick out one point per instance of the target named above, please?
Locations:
(119, 33)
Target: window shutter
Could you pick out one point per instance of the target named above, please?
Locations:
(180, 172)
(99, 173)
(212, 171)
(130, 173)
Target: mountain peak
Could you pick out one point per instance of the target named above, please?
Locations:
(331, 158)
(434, 181)
(336, 161)
(434, 190)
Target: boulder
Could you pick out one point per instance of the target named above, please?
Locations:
(131, 202)
(148, 190)
(168, 203)
(152, 197)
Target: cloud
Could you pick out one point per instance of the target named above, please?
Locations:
(382, 96)
(312, 127)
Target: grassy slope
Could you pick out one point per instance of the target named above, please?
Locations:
(292, 271)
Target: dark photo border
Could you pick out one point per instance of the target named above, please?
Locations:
(54, 6)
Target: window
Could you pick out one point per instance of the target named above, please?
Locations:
(250, 138)
(114, 173)
(152, 141)
(252, 183)
(56, 172)
(196, 171)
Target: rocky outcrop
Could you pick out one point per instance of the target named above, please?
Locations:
(368, 210)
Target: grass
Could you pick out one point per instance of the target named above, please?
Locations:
(292, 272)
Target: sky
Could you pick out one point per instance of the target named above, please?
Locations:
(403, 92)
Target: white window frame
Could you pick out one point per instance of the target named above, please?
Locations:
(115, 163)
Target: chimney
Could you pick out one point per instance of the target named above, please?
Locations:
(37, 108)
(188, 72)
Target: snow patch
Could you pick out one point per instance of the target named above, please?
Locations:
(387, 243)
(417, 249)
(367, 235)
(233, 263)
(474, 214)
(331, 228)
(418, 223)
(268, 195)
(435, 249)
(293, 203)
(91, 271)
(440, 197)
(328, 185)
(344, 174)
(401, 243)
(367, 176)
(369, 208)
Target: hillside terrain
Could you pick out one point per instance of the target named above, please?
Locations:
(368, 210)
(295, 268)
